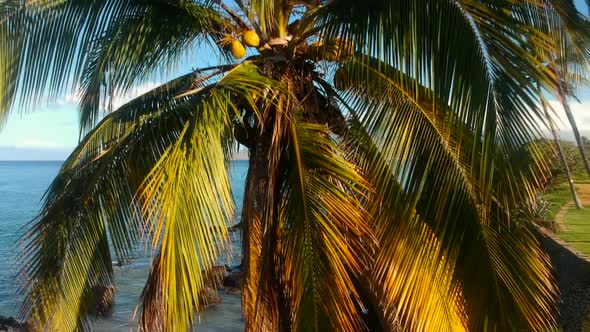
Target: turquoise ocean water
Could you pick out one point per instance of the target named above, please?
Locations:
(22, 185)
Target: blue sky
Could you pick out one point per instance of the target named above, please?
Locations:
(51, 132)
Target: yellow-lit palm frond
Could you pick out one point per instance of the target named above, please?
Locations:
(412, 133)
(325, 234)
(416, 289)
(186, 197)
(94, 196)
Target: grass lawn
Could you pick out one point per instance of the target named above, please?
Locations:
(577, 222)
(558, 197)
(577, 233)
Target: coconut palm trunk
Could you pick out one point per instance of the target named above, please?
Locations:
(561, 153)
(566, 107)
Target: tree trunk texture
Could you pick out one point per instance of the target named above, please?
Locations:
(562, 156)
(570, 117)
(259, 238)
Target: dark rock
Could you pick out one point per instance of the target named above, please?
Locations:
(235, 228)
(209, 297)
(233, 281)
(236, 268)
(575, 307)
(123, 262)
(105, 296)
(214, 278)
(11, 324)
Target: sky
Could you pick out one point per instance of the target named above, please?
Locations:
(51, 131)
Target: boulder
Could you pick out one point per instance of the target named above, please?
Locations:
(209, 297)
(11, 324)
(123, 261)
(214, 277)
(105, 296)
(233, 281)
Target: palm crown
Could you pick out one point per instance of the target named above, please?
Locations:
(380, 188)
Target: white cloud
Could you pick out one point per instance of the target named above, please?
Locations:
(118, 100)
(70, 99)
(581, 112)
(37, 143)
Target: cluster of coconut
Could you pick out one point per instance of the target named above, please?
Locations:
(249, 38)
(335, 50)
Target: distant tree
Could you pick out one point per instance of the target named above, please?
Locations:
(560, 151)
(556, 171)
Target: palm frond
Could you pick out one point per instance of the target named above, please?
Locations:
(190, 181)
(117, 125)
(94, 197)
(406, 209)
(57, 40)
(266, 13)
(412, 132)
(66, 251)
(326, 232)
(416, 289)
(9, 52)
(186, 196)
(139, 45)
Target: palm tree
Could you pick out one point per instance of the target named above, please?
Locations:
(570, 62)
(560, 152)
(379, 191)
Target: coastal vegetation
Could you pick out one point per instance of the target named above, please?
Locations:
(384, 182)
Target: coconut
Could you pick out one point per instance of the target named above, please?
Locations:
(251, 38)
(341, 79)
(237, 49)
(345, 48)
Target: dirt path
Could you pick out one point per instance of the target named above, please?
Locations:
(584, 195)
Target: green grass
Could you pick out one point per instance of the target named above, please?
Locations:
(577, 233)
(577, 222)
(559, 196)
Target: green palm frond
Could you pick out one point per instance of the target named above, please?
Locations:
(138, 46)
(79, 42)
(94, 195)
(413, 133)
(117, 125)
(66, 25)
(471, 69)
(323, 217)
(9, 60)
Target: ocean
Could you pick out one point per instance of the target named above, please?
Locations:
(22, 185)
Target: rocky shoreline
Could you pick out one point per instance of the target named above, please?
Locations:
(10, 324)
